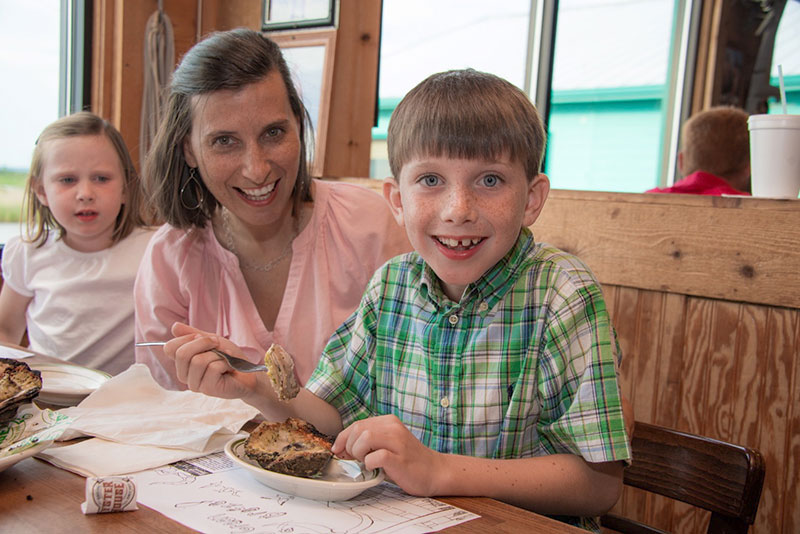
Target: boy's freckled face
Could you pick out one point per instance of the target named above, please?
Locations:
(463, 216)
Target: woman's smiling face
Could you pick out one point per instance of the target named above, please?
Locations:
(246, 146)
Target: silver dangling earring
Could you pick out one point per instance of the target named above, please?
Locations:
(195, 193)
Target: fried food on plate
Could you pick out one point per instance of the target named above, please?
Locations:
(19, 384)
(293, 447)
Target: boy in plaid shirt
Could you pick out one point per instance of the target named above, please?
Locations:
(483, 363)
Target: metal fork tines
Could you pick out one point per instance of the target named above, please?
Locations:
(237, 364)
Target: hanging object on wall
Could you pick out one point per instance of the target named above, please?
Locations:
(159, 61)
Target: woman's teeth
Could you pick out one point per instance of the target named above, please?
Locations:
(258, 194)
(455, 243)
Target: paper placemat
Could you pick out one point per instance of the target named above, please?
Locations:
(211, 494)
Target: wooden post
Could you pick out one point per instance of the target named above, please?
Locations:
(354, 92)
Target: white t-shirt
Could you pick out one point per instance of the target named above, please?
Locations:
(82, 306)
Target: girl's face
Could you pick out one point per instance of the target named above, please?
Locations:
(246, 146)
(83, 184)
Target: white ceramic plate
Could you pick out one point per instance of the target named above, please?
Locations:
(67, 385)
(14, 457)
(341, 480)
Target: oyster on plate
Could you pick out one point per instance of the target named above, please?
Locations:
(19, 384)
(293, 447)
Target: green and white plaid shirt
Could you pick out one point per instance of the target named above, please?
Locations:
(524, 365)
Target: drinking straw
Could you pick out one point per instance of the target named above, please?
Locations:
(782, 88)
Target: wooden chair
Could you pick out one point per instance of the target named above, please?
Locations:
(723, 478)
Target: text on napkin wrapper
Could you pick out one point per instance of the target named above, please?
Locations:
(109, 494)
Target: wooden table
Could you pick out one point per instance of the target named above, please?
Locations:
(36, 496)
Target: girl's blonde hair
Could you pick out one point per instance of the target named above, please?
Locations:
(39, 218)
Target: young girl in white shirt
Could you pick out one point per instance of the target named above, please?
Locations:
(69, 280)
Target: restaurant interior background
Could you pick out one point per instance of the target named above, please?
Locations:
(704, 291)
(621, 76)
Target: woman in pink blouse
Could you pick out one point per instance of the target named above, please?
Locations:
(253, 249)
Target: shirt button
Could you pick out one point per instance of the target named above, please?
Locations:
(445, 402)
(453, 319)
(483, 306)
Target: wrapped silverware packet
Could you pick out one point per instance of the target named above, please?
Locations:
(109, 494)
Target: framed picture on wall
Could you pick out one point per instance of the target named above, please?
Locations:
(288, 14)
(309, 56)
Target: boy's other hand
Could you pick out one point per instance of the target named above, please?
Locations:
(385, 442)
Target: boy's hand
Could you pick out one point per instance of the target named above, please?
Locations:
(385, 442)
(204, 371)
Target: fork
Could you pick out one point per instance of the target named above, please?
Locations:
(237, 364)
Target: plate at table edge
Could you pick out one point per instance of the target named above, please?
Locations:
(86, 381)
(317, 489)
(8, 461)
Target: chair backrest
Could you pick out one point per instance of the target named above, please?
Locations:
(723, 478)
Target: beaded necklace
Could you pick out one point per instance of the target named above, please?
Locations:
(264, 268)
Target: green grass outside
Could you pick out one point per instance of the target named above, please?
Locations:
(12, 187)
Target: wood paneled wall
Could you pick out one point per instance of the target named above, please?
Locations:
(118, 56)
(705, 296)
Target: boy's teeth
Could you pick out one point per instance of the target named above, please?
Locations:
(449, 242)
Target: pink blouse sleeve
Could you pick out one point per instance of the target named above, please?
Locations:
(355, 235)
(158, 303)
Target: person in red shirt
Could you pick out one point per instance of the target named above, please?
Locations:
(714, 158)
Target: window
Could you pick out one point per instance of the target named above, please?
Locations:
(44, 83)
(787, 54)
(29, 95)
(309, 56)
(615, 73)
(419, 38)
(610, 94)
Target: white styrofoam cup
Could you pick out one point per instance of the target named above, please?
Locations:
(774, 155)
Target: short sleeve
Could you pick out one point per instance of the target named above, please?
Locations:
(578, 382)
(14, 266)
(343, 374)
(158, 303)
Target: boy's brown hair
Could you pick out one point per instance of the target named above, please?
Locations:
(716, 141)
(466, 114)
(39, 218)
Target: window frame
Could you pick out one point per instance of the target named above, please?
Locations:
(75, 56)
(268, 24)
(325, 38)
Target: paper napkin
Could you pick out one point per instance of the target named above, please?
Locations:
(136, 424)
(97, 457)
